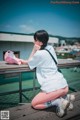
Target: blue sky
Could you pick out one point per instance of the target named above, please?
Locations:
(28, 16)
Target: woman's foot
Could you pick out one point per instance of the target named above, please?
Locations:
(62, 108)
(70, 98)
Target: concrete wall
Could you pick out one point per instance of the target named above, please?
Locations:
(19, 42)
(25, 48)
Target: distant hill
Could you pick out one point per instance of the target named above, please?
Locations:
(67, 39)
(70, 40)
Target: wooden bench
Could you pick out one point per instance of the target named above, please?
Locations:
(26, 112)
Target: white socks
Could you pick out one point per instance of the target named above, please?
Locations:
(55, 102)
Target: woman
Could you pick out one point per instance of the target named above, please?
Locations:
(54, 87)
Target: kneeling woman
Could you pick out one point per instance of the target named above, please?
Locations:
(54, 87)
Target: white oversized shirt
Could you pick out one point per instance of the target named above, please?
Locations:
(46, 70)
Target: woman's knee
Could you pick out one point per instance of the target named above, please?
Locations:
(33, 103)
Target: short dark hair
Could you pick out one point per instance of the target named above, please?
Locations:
(42, 36)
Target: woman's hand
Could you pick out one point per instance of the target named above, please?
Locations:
(36, 47)
(23, 61)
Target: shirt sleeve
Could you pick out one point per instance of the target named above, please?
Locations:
(35, 61)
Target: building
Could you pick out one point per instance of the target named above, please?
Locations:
(21, 44)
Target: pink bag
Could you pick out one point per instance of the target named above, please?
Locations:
(10, 58)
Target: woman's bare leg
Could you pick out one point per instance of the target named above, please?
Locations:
(40, 99)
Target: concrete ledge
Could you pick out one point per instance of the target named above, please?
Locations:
(26, 112)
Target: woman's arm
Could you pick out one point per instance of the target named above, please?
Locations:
(35, 48)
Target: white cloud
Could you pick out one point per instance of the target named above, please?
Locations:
(22, 26)
(5, 26)
(30, 21)
(27, 28)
